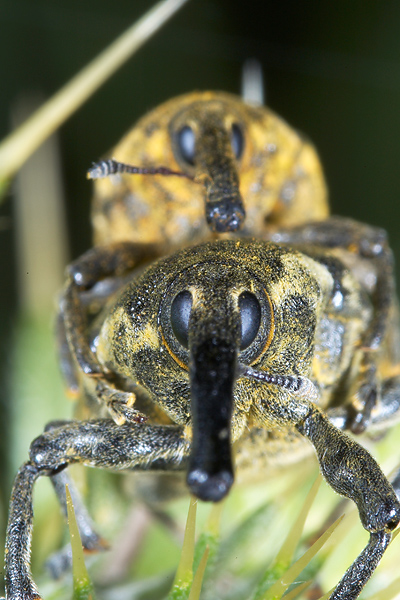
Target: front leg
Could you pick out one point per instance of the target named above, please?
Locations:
(92, 280)
(99, 443)
(369, 244)
(352, 472)
(97, 264)
(18, 578)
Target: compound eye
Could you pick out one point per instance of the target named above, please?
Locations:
(237, 141)
(250, 316)
(181, 308)
(187, 144)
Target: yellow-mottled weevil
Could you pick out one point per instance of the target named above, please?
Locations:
(284, 337)
(238, 342)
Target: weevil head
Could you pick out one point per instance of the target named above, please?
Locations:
(245, 168)
(208, 141)
(185, 328)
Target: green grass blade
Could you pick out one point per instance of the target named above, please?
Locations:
(276, 591)
(389, 593)
(83, 587)
(209, 538)
(246, 532)
(286, 553)
(198, 578)
(297, 590)
(184, 574)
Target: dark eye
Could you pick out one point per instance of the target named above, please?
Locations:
(180, 313)
(237, 141)
(250, 316)
(186, 143)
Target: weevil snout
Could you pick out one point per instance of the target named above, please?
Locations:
(211, 147)
(214, 327)
(213, 349)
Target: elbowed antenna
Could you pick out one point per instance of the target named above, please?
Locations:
(105, 168)
(297, 385)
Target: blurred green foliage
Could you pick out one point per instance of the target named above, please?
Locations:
(332, 70)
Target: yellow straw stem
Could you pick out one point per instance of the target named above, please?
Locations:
(184, 573)
(79, 572)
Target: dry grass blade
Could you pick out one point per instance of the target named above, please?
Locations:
(18, 146)
(327, 595)
(391, 592)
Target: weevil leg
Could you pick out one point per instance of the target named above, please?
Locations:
(358, 239)
(356, 576)
(86, 293)
(352, 472)
(388, 409)
(365, 242)
(113, 260)
(385, 413)
(103, 444)
(84, 303)
(61, 561)
(75, 325)
(18, 577)
(66, 361)
(99, 443)
(348, 467)
(120, 404)
(395, 481)
(97, 264)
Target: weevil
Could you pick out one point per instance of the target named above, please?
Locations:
(279, 195)
(205, 165)
(210, 359)
(211, 165)
(233, 165)
(209, 156)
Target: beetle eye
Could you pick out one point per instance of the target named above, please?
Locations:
(250, 316)
(237, 141)
(186, 143)
(180, 313)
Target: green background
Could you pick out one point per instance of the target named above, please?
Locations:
(332, 70)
